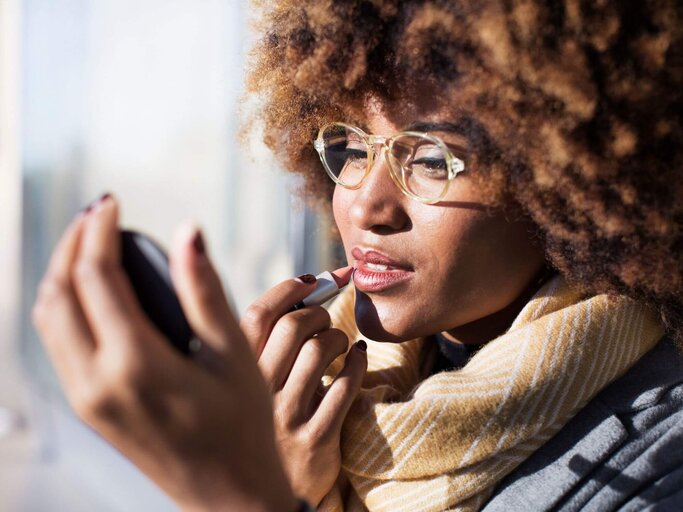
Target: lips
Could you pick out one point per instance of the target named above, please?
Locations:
(376, 272)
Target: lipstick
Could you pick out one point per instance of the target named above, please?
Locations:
(328, 285)
(376, 272)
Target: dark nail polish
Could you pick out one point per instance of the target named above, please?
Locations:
(89, 207)
(361, 345)
(198, 243)
(307, 278)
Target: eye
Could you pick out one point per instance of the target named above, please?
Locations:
(430, 167)
(354, 155)
(429, 161)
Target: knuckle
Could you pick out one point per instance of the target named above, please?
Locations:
(331, 342)
(127, 372)
(338, 340)
(88, 269)
(283, 417)
(94, 402)
(255, 316)
(316, 436)
(123, 386)
(314, 347)
(50, 290)
(39, 314)
(294, 323)
(39, 317)
(270, 378)
(289, 326)
(321, 315)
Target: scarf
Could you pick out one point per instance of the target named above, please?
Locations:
(445, 442)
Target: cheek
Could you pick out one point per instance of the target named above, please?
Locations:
(429, 302)
(341, 202)
(491, 263)
(452, 246)
(468, 266)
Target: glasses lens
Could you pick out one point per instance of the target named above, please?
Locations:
(345, 154)
(423, 166)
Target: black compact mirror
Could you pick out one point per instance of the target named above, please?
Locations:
(146, 264)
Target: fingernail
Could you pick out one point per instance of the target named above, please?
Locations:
(361, 345)
(103, 198)
(90, 206)
(307, 278)
(198, 243)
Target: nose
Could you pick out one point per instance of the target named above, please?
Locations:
(379, 205)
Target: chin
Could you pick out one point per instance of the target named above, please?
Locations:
(380, 325)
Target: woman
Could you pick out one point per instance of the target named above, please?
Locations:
(506, 183)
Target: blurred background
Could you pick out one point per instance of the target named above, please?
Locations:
(139, 99)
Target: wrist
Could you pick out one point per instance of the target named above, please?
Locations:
(304, 506)
(277, 499)
(291, 504)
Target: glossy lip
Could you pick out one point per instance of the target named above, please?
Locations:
(371, 280)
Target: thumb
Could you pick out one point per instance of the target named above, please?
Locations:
(201, 295)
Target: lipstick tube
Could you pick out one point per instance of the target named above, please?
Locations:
(325, 289)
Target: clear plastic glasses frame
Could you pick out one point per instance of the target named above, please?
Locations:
(400, 173)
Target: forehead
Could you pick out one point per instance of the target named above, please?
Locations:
(383, 118)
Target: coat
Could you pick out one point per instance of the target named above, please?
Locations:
(623, 451)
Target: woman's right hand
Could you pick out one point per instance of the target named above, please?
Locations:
(294, 349)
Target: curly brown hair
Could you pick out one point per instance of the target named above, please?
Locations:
(572, 109)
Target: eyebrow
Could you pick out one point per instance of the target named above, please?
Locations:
(421, 126)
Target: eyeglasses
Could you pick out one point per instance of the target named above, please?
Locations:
(420, 164)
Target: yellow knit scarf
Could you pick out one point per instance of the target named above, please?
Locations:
(444, 443)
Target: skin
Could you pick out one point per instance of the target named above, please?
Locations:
(471, 269)
(252, 430)
(210, 436)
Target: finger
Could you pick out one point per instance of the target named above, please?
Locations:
(64, 253)
(337, 401)
(107, 297)
(261, 316)
(57, 314)
(285, 341)
(313, 359)
(201, 293)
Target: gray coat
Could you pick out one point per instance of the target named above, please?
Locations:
(623, 451)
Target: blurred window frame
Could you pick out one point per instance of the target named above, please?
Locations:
(10, 196)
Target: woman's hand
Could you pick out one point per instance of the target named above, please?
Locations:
(293, 350)
(205, 437)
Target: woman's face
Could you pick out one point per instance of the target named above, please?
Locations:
(449, 264)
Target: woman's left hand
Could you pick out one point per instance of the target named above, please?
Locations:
(294, 348)
(205, 436)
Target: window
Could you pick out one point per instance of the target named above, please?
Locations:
(138, 99)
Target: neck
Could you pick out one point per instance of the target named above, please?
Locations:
(485, 329)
